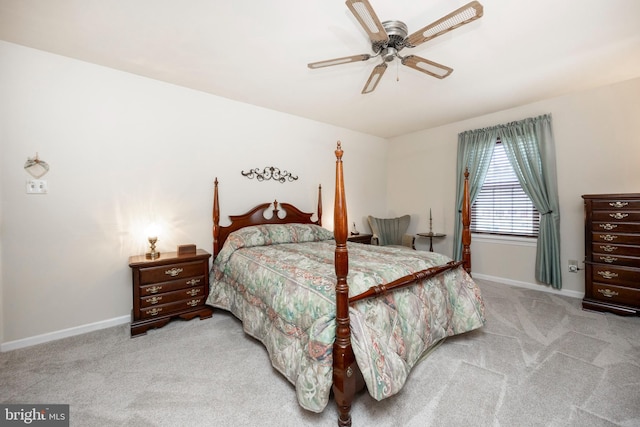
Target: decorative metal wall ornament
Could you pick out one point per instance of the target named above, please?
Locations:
(268, 173)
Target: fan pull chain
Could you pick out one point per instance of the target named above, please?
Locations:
(397, 72)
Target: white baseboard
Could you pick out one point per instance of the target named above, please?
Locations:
(535, 287)
(64, 333)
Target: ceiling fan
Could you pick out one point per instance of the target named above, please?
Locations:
(390, 37)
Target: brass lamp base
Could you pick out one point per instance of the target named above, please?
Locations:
(152, 254)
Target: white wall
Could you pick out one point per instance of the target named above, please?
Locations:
(597, 135)
(124, 151)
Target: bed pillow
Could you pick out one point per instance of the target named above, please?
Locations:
(272, 234)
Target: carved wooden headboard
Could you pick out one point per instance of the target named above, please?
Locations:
(257, 216)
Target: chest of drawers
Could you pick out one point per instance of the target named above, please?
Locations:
(168, 287)
(612, 253)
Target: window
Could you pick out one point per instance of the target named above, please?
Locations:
(502, 207)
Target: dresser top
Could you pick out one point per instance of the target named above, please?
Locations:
(612, 196)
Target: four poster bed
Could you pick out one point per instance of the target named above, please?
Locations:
(337, 316)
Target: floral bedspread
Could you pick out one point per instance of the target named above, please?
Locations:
(280, 281)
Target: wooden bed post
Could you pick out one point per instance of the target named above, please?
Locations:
(216, 219)
(344, 371)
(466, 222)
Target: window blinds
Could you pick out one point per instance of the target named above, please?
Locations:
(502, 207)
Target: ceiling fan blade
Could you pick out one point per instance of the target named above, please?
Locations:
(339, 61)
(364, 13)
(374, 78)
(467, 13)
(428, 67)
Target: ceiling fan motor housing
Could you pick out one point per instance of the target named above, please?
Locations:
(397, 32)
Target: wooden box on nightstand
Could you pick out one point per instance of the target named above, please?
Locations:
(167, 287)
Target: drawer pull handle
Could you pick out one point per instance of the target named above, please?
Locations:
(619, 215)
(154, 312)
(154, 289)
(608, 293)
(193, 302)
(607, 274)
(173, 272)
(608, 259)
(193, 292)
(608, 226)
(193, 282)
(609, 248)
(608, 237)
(618, 204)
(154, 300)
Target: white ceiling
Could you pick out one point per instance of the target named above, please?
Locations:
(256, 52)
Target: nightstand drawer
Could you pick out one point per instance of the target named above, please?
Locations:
(171, 308)
(173, 285)
(168, 297)
(170, 271)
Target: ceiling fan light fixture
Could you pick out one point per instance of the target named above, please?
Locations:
(389, 54)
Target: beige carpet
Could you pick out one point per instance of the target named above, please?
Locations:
(539, 361)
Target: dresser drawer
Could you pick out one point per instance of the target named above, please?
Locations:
(171, 296)
(618, 204)
(616, 227)
(616, 294)
(173, 285)
(616, 275)
(615, 259)
(171, 271)
(611, 216)
(616, 238)
(613, 249)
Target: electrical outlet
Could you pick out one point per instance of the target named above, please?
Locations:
(37, 186)
(573, 266)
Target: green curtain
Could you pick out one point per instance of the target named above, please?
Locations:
(530, 147)
(475, 148)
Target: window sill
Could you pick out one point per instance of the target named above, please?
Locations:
(504, 240)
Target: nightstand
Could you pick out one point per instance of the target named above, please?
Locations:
(360, 238)
(169, 287)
